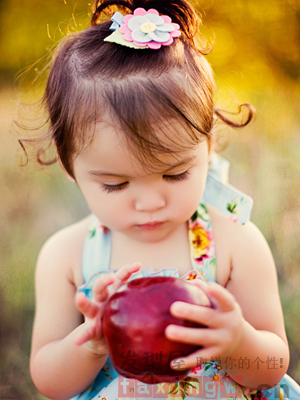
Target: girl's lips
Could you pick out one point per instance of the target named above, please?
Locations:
(150, 226)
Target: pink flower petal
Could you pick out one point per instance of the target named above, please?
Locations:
(127, 37)
(176, 26)
(168, 42)
(167, 19)
(152, 11)
(124, 29)
(175, 33)
(154, 45)
(126, 33)
(139, 44)
(139, 11)
(127, 18)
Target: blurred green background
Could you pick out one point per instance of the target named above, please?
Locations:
(256, 59)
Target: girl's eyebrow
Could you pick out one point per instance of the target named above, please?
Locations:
(104, 173)
(172, 166)
(180, 163)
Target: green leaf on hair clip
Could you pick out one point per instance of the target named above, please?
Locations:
(117, 37)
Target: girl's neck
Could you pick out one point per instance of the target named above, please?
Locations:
(171, 252)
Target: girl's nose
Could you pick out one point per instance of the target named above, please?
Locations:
(150, 201)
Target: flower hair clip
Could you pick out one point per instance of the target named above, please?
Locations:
(143, 29)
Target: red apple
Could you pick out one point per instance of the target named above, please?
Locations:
(134, 323)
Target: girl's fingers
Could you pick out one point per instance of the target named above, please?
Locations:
(124, 273)
(83, 338)
(127, 270)
(90, 332)
(194, 359)
(100, 290)
(224, 299)
(85, 306)
(196, 336)
(199, 314)
(220, 297)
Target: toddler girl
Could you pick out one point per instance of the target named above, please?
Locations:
(130, 104)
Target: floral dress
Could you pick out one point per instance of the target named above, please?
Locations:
(208, 380)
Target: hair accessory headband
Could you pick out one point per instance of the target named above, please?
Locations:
(143, 29)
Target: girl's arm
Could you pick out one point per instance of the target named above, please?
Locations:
(60, 367)
(254, 286)
(246, 329)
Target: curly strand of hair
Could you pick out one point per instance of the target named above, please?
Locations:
(43, 162)
(251, 115)
(38, 155)
(24, 149)
(106, 4)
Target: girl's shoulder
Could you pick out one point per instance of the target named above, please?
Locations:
(64, 250)
(235, 234)
(242, 250)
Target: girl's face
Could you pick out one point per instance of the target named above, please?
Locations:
(147, 206)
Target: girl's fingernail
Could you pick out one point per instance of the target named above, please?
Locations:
(178, 307)
(170, 331)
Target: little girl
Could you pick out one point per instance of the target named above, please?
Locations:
(130, 104)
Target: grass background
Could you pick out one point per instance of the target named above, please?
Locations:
(256, 59)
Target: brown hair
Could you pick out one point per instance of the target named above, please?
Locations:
(140, 89)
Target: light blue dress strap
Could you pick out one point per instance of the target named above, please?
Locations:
(219, 168)
(223, 196)
(97, 249)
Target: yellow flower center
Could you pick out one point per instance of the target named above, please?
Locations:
(148, 27)
(199, 241)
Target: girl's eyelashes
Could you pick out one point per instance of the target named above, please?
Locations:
(115, 188)
(177, 177)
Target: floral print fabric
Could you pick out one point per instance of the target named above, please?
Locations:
(202, 244)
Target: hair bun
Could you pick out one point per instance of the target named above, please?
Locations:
(180, 11)
(100, 5)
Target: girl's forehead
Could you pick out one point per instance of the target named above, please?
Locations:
(108, 151)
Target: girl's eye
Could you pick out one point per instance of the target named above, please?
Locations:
(178, 177)
(113, 188)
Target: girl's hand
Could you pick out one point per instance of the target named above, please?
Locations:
(224, 321)
(92, 333)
